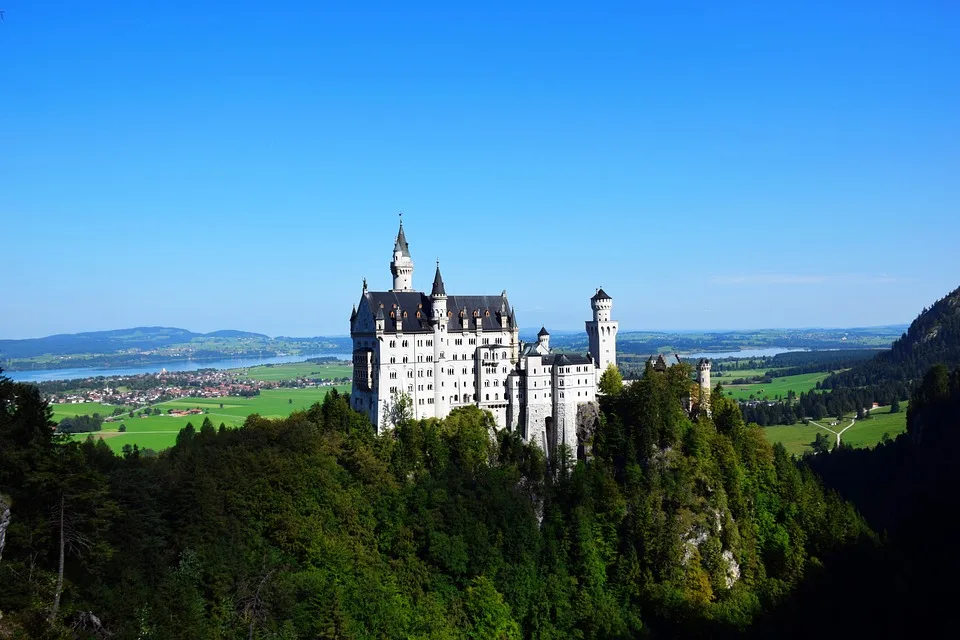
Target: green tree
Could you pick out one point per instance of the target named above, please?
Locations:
(611, 382)
(895, 406)
(821, 444)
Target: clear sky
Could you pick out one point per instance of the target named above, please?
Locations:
(712, 165)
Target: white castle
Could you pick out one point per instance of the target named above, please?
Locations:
(447, 351)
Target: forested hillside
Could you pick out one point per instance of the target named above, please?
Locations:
(313, 527)
(934, 337)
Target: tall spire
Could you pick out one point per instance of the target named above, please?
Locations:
(438, 289)
(401, 244)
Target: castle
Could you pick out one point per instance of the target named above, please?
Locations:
(446, 351)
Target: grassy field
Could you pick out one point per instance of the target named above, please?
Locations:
(797, 438)
(294, 370)
(61, 411)
(868, 433)
(160, 432)
(778, 387)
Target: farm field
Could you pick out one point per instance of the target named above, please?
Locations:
(61, 411)
(797, 438)
(294, 370)
(867, 433)
(778, 387)
(160, 432)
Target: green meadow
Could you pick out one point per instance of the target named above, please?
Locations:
(293, 371)
(160, 432)
(61, 411)
(801, 383)
(798, 438)
(867, 433)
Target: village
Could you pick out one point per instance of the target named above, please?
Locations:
(128, 393)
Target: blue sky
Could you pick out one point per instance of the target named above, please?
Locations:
(711, 165)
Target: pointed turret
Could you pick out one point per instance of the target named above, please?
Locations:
(543, 339)
(438, 289)
(402, 265)
(401, 245)
(353, 314)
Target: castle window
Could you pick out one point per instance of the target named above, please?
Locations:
(404, 343)
(393, 343)
(429, 387)
(496, 396)
(404, 359)
(488, 396)
(392, 315)
(410, 374)
(393, 375)
(404, 314)
(418, 314)
(393, 360)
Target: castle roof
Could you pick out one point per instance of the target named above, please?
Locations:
(566, 359)
(483, 309)
(601, 295)
(543, 332)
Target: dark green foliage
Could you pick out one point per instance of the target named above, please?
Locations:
(312, 526)
(80, 424)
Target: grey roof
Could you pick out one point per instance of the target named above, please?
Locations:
(401, 244)
(438, 289)
(413, 301)
(565, 359)
(482, 304)
(543, 332)
(601, 295)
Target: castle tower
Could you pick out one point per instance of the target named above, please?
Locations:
(602, 331)
(703, 379)
(402, 265)
(438, 302)
(543, 340)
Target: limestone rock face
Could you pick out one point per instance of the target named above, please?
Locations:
(588, 416)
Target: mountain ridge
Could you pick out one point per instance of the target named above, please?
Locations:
(932, 338)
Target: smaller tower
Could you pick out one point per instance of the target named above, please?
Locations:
(602, 331)
(402, 265)
(543, 340)
(438, 302)
(703, 379)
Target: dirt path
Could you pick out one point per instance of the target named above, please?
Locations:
(836, 433)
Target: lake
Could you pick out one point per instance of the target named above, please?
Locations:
(182, 365)
(765, 352)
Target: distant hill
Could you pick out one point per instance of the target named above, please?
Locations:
(96, 342)
(141, 345)
(934, 337)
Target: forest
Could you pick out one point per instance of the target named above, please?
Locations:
(312, 526)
